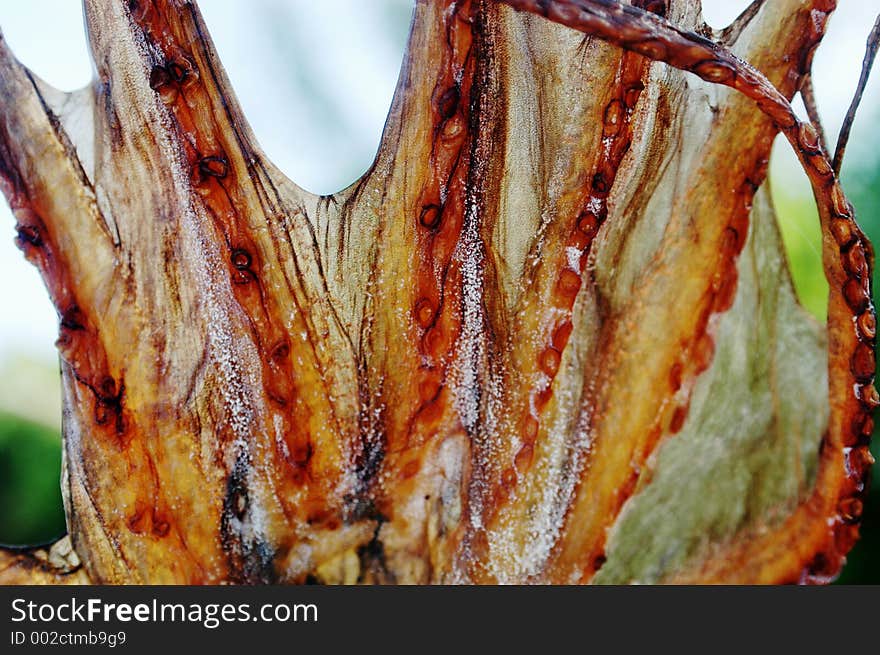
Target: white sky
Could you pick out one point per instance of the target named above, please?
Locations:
(359, 72)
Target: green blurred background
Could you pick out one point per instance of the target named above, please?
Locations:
(342, 97)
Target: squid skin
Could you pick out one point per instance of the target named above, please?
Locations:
(507, 353)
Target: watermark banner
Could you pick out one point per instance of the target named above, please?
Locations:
(253, 619)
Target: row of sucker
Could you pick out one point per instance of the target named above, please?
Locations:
(439, 219)
(81, 345)
(573, 271)
(177, 80)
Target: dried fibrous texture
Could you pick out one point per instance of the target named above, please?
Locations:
(549, 336)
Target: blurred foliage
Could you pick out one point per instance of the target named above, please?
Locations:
(30, 491)
(799, 225)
